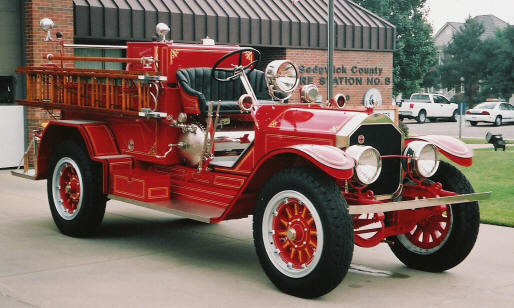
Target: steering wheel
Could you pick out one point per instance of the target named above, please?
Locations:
(238, 69)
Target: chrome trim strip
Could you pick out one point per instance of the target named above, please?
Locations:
(30, 174)
(416, 204)
(95, 46)
(153, 206)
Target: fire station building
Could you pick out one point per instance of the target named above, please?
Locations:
(363, 59)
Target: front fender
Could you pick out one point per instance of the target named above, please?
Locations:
(329, 159)
(456, 150)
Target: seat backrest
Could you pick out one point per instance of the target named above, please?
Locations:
(200, 79)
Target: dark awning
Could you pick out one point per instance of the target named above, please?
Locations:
(271, 23)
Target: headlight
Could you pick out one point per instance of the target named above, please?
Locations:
(281, 77)
(309, 93)
(368, 163)
(423, 160)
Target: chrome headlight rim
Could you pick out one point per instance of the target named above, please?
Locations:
(339, 100)
(415, 163)
(359, 153)
(274, 80)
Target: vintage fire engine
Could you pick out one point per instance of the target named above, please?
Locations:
(196, 131)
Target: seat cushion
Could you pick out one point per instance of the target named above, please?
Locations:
(198, 82)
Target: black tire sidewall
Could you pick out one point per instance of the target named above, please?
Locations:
(93, 204)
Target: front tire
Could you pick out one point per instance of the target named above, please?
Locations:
(303, 233)
(454, 116)
(422, 117)
(442, 241)
(74, 189)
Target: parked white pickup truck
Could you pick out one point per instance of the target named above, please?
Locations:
(423, 106)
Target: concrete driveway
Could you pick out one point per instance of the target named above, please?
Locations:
(143, 258)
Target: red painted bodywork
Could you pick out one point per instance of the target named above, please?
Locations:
(132, 150)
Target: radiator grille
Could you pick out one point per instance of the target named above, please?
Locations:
(388, 141)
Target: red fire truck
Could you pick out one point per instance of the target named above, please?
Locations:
(196, 131)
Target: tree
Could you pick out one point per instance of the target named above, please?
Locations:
(499, 70)
(465, 63)
(415, 52)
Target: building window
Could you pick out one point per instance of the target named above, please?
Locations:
(93, 52)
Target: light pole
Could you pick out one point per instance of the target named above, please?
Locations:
(330, 26)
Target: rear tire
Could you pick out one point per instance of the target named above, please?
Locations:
(460, 234)
(303, 233)
(422, 117)
(74, 189)
(498, 121)
(473, 123)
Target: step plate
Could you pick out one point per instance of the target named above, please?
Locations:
(195, 211)
(30, 174)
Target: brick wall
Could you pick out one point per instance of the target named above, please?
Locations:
(61, 12)
(355, 72)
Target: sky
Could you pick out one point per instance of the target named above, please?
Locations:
(442, 11)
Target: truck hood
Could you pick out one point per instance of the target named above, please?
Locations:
(316, 121)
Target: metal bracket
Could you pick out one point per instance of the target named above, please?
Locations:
(150, 78)
(149, 114)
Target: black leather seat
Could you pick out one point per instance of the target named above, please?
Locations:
(199, 83)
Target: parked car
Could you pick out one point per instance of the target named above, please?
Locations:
(490, 112)
(423, 106)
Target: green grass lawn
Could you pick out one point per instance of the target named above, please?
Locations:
(480, 141)
(494, 171)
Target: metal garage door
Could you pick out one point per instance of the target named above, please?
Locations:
(11, 116)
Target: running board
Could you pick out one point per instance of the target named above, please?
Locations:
(29, 174)
(416, 204)
(198, 212)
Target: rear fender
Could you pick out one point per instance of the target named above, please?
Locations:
(96, 137)
(456, 150)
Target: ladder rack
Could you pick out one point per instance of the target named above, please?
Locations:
(107, 91)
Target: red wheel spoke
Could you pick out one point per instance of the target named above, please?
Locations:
(417, 233)
(307, 253)
(291, 255)
(304, 212)
(426, 237)
(434, 236)
(284, 222)
(288, 212)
